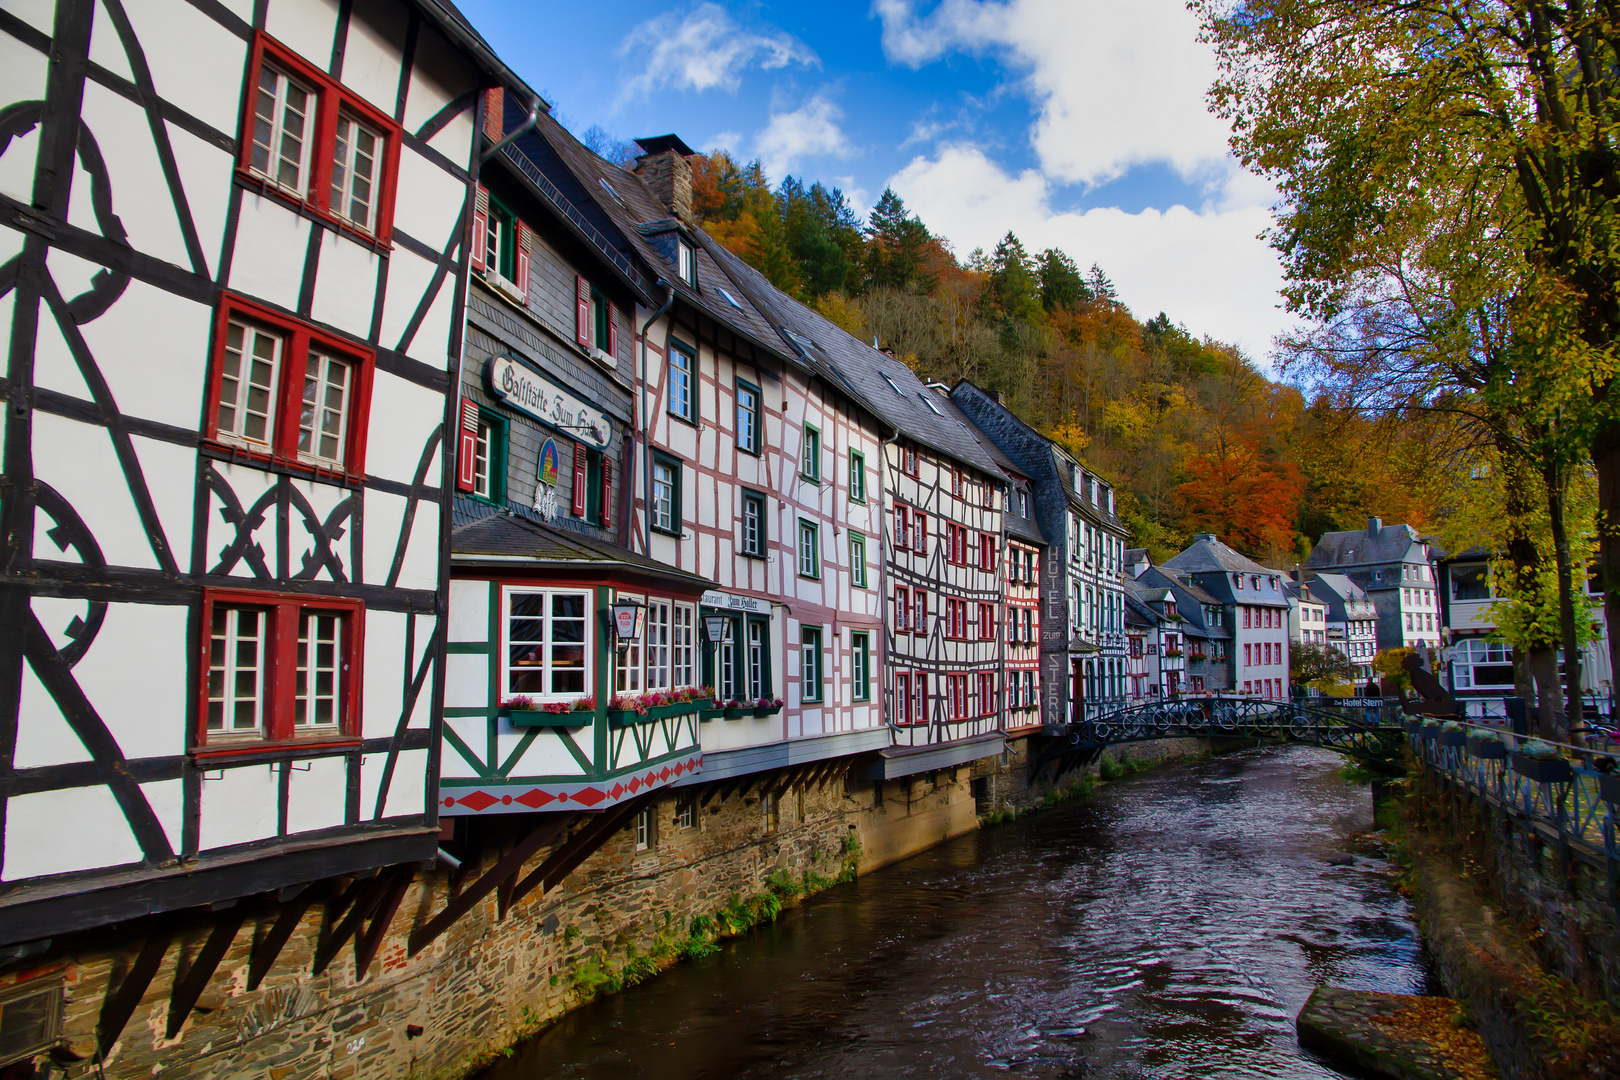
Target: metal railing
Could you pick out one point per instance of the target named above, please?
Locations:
(1572, 800)
(1370, 732)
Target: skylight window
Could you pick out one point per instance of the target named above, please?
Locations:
(732, 300)
(890, 381)
(609, 189)
(929, 402)
(801, 341)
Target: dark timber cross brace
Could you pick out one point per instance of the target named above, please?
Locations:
(560, 863)
(121, 1001)
(541, 835)
(266, 949)
(190, 986)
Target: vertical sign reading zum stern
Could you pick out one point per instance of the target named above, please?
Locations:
(524, 389)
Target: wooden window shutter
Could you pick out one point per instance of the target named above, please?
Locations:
(579, 480)
(467, 445)
(582, 314)
(480, 227)
(613, 331)
(607, 491)
(520, 239)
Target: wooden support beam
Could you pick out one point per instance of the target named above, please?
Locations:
(348, 924)
(122, 1000)
(265, 950)
(463, 902)
(367, 944)
(189, 987)
(583, 845)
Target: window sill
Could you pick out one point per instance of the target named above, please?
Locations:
(505, 288)
(816, 480)
(661, 531)
(274, 750)
(687, 420)
(279, 463)
(751, 451)
(760, 555)
(379, 242)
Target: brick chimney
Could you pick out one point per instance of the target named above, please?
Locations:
(666, 168)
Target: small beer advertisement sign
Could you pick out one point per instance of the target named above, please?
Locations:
(550, 460)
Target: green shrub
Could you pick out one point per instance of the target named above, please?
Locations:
(1109, 768)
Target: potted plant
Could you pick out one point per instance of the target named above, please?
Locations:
(1487, 747)
(736, 710)
(518, 703)
(766, 706)
(626, 709)
(1541, 762)
(576, 713)
(1453, 734)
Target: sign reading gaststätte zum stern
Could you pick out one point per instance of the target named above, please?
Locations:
(525, 389)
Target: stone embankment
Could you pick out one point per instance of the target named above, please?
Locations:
(1402, 1036)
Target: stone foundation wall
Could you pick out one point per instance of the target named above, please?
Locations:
(489, 981)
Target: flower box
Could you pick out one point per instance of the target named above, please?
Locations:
(675, 708)
(767, 710)
(1454, 738)
(1413, 727)
(626, 717)
(708, 713)
(738, 712)
(1542, 770)
(1487, 748)
(541, 718)
(1609, 789)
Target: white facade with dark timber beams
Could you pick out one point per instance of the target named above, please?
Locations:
(230, 262)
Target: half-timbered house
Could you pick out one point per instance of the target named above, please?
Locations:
(1083, 648)
(1255, 611)
(233, 244)
(548, 706)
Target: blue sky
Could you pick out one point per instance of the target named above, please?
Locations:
(1075, 123)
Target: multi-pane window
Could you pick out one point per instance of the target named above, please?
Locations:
(283, 129)
(1012, 626)
(308, 139)
(547, 644)
(810, 676)
(753, 524)
(902, 609)
(908, 462)
(987, 552)
(277, 668)
(902, 527)
(501, 241)
(666, 514)
(809, 549)
(919, 532)
(857, 476)
(644, 829)
(919, 612)
(356, 160)
(987, 694)
(328, 381)
(857, 560)
(810, 463)
(758, 651)
(680, 384)
(248, 382)
(904, 704)
(861, 664)
(286, 390)
(686, 812)
(686, 262)
(987, 622)
(682, 646)
(659, 618)
(489, 458)
(747, 418)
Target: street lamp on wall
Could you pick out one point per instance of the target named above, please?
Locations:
(627, 616)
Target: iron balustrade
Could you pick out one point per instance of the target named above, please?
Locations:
(1372, 733)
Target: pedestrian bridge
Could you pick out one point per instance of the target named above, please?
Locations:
(1370, 734)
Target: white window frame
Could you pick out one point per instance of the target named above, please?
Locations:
(483, 459)
(231, 672)
(312, 428)
(663, 493)
(346, 176)
(686, 262)
(683, 646)
(857, 559)
(278, 132)
(809, 552)
(547, 667)
(659, 624)
(244, 387)
(680, 374)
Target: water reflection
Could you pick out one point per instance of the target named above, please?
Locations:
(1170, 927)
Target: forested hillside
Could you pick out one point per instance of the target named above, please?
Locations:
(1193, 432)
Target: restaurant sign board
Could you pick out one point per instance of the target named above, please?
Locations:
(526, 390)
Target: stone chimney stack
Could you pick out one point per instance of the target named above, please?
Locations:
(1375, 526)
(665, 166)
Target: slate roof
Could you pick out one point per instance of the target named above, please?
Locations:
(486, 531)
(1360, 547)
(1138, 613)
(1191, 599)
(1301, 591)
(1207, 554)
(1335, 590)
(881, 383)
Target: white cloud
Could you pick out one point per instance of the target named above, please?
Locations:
(1115, 84)
(1207, 268)
(811, 130)
(704, 49)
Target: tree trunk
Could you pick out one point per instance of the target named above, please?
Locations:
(1557, 484)
(1606, 458)
(1545, 719)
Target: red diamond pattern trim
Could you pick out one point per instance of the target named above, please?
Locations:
(479, 800)
(535, 798)
(590, 796)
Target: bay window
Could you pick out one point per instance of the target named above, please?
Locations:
(546, 651)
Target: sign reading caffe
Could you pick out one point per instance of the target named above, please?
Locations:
(526, 390)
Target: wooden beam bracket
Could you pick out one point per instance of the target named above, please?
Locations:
(190, 986)
(463, 902)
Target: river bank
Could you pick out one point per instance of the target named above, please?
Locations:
(1171, 924)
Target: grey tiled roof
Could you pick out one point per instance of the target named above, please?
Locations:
(1207, 553)
(1359, 547)
(482, 530)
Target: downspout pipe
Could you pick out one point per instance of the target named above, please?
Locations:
(517, 133)
(646, 422)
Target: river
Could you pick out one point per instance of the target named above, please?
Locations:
(1170, 926)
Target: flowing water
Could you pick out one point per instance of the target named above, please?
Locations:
(1170, 926)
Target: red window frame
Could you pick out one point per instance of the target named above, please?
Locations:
(920, 680)
(919, 624)
(331, 97)
(902, 610)
(281, 673)
(902, 527)
(919, 532)
(902, 698)
(987, 622)
(987, 694)
(284, 439)
(908, 462)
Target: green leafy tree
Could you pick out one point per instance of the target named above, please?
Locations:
(1061, 285)
(1316, 663)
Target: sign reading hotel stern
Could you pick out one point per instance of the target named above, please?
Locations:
(526, 390)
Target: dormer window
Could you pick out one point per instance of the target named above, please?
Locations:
(1237, 581)
(686, 262)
